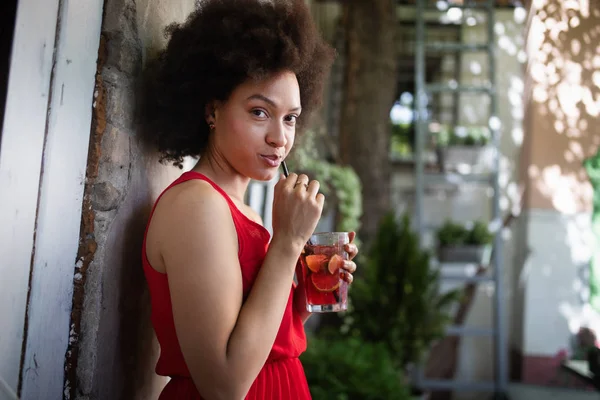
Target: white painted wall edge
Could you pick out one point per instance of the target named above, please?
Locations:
(61, 196)
(554, 214)
(553, 280)
(21, 152)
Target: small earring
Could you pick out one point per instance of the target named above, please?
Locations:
(211, 126)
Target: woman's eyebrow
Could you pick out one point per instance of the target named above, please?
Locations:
(269, 101)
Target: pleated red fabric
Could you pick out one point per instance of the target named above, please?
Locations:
(282, 376)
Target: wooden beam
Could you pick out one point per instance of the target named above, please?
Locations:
(21, 152)
(61, 196)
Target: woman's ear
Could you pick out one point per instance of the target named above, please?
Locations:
(209, 112)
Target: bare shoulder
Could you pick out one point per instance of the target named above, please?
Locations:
(186, 209)
(191, 197)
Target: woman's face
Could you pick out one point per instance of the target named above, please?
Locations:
(255, 128)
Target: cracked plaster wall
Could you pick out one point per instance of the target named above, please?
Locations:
(113, 349)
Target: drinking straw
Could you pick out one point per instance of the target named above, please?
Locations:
(285, 169)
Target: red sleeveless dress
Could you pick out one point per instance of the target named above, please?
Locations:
(282, 376)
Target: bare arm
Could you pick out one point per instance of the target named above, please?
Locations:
(225, 343)
(300, 296)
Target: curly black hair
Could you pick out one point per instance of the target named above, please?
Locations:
(221, 45)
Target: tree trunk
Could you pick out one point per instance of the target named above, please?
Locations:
(370, 89)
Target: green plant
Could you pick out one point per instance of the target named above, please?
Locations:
(462, 136)
(454, 234)
(480, 234)
(397, 300)
(339, 183)
(346, 368)
(402, 139)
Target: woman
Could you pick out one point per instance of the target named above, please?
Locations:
(234, 82)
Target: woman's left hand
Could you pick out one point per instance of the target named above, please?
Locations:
(349, 267)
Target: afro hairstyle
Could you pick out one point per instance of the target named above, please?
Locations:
(221, 45)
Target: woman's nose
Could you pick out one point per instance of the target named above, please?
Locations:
(276, 136)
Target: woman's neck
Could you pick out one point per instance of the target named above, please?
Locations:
(223, 174)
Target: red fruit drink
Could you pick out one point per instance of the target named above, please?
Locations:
(322, 260)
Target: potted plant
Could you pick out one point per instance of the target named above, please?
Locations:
(460, 244)
(397, 300)
(464, 150)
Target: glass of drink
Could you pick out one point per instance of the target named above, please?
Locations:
(322, 258)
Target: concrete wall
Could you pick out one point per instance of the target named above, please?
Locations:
(562, 114)
(113, 348)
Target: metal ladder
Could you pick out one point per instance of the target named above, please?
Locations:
(498, 387)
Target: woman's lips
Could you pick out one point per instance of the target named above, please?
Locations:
(272, 161)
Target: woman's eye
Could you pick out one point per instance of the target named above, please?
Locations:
(291, 118)
(259, 113)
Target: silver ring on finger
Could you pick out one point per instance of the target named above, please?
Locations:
(301, 183)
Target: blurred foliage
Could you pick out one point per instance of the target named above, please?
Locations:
(402, 141)
(455, 234)
(338, 182)
(347, 368)
(397, 301)
(462, 136)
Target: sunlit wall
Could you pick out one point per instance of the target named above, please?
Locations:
(562, 112)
